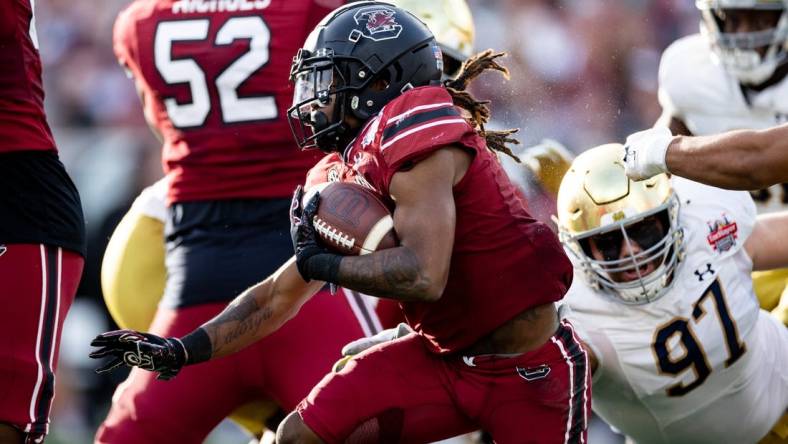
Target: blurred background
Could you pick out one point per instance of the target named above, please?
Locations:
(583, 72)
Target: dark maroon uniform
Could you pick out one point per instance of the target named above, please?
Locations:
(214, 79)
(503, 262)
(214, 82)
(23, 124)
(42, 232)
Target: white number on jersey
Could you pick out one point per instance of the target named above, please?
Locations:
(183, 70)
(693, 356)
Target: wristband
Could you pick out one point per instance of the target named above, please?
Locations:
(323, 267)
(197, 346)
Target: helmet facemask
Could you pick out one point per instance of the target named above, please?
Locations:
(639, 254)
(752, 57)
(317, 115)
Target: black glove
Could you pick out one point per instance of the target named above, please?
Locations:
(312, 259)
(149, 352)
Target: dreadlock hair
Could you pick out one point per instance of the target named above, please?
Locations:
(479, 111)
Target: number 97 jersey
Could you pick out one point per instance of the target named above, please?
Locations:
(702, 364)
(213, 77)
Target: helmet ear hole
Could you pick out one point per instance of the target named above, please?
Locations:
(381, 81)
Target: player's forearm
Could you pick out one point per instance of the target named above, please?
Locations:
(251, 316)
(395, 273)
(766, 245)
(743, 160)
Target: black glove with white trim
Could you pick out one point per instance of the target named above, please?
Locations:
(166, 356)
(312, 259)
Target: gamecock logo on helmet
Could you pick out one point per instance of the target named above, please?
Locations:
(376, 23)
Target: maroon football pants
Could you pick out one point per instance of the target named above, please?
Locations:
(399, 392)
(37, 287)
(283, 367)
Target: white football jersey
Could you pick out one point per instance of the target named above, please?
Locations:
(699, 92)
(702, 364)
(152, 201)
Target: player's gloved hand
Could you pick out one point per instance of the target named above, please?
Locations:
(548, 162)
(645, 153)
(359, 345)
(166, 356)
(312, 259)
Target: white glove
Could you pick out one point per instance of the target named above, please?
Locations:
(645, 153)
(359, 345)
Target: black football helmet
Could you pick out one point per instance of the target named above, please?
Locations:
(359, 58)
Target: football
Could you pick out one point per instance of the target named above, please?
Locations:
(352, 220)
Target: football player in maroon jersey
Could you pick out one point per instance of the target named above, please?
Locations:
(42, 235)
(488, 349)
(213, 79)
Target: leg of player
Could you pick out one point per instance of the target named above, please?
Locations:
(39, 283)
(387, 407)
(296, 357)
(547, 392)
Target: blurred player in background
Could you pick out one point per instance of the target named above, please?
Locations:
(732, 76)
(212, 77)
(133, 278)
(42, 235)
(663, 299)
(374, 70)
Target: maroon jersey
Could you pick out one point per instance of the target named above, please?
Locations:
(503, 261)
(214, 81)
(23, 125)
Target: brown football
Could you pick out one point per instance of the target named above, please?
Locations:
(352, 220)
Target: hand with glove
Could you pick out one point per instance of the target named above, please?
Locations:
(645, 153)
(166, 356)
(351, 349)
(312, 259)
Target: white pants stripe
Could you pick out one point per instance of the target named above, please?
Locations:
(42, 310)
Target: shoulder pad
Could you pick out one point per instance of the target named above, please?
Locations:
(420, 120)
(690, 80)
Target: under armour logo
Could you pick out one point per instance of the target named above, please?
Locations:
(532, 374)
(702, 274)
(468, 360)
(3, 249)
(626, 153)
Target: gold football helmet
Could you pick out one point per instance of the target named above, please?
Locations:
(617, 229)
(452, 24)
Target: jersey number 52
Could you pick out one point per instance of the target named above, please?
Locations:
(693, 356)
(185, 70)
